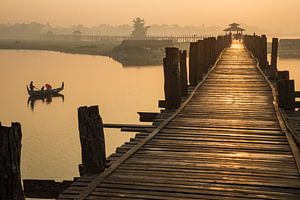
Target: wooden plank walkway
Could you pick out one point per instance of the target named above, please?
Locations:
(226, 143)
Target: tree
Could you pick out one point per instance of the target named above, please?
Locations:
(139, 29)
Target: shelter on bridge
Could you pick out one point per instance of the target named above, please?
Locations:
(235, 30)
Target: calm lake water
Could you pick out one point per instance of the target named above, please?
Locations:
(51, 148)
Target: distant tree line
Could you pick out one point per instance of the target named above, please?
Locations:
(137, 29)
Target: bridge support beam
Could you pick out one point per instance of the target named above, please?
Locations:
(286, 94)
(10, 157)
(264, 52)
(172, 83)
(183, 73)
(92, 140)
(273, 74)
(200, 60)
(193, 68)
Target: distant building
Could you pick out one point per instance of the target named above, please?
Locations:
(235, 30)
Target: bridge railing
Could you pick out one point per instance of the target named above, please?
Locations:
(92, 37)
(286, 94)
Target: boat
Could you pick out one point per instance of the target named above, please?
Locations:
(45, 93)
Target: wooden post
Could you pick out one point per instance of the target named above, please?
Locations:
(172, 78)
(274, 58)
(286, 94)
(92, 140)
(291, 95)
(264, 52)
(282, 88)
(218, 45)
(283, 75)
(200, 60)
(282, 93)
(193, 69)
(213, 51)
(10, 157)
(206, 54)
(183, 73)
(257, 41)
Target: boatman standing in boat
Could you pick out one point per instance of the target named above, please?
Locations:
(31, 86)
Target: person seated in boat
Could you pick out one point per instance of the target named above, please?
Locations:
(43, 88)
(48, 86)
(31, 86)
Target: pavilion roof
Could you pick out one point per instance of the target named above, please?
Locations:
(234, 25)
(234, 29)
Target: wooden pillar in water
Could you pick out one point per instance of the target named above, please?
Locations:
(286, 91)
(183, 73)
(206, 54)
(193, 69)
(282, 88)
(283, 75)
(213, 50)
(258, 47)
(209, 54)
(218, 45)
(172, 78)
(200, 60)
(92, 140)
(291, 95)
(10, 157)
(264, 52)
(273, 74)
(282, 93)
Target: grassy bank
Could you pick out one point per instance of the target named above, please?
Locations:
(80, 47)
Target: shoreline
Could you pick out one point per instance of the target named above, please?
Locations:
(100, 48)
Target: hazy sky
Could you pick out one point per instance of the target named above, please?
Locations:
(264, 13)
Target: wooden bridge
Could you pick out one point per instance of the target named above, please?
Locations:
(227, 140)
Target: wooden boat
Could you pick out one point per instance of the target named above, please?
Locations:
(44, 93)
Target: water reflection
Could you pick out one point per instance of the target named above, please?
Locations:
(44, 99)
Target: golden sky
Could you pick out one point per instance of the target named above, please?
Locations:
(264, 13)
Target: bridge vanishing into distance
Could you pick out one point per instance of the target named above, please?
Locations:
(225, 141)
(232, 133)
(83, 37)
